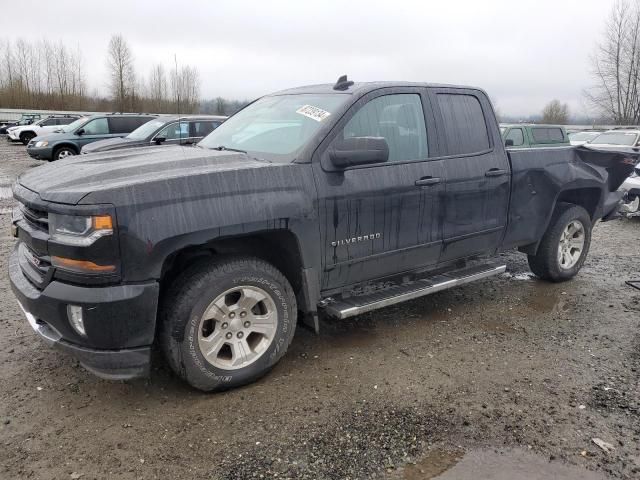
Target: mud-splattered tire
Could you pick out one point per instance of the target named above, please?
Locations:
(564, 246)
(227, 322)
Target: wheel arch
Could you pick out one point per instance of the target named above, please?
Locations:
(58, 146)
(279, 247)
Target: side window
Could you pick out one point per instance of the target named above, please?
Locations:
(547, 135)
(399, 119)
(99, 126)
(516, 135)
(175, 131)
(464, 124)
(48, 122)
(203, 128)
(65, 121)
(122, 124)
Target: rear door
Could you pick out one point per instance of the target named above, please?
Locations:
(381, 219)
(476, 197)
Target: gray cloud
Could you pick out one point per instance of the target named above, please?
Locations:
(523, 53)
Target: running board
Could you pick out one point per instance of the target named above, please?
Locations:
(356, 305)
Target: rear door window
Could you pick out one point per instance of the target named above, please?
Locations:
(48, 122)
(126, 124)
(65, 121)
(398, 118)
(465, 127)
(203, 128)
(547, 134)
(515, 135)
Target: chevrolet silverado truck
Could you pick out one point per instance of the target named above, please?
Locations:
(328, 200)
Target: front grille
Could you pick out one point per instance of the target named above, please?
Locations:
(36, 218)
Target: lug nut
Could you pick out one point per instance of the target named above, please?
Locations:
(240, 334)
(225, 325)
(232, 315)
(247, 324)
(229, 335)
(243, 314)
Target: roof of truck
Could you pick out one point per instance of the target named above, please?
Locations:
(363, 87)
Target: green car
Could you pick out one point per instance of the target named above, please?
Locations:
(534, 136)
(71, 138)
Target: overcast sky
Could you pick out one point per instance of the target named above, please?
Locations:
(523, 53)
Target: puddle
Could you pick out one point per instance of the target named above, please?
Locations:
(519, 276)
(511, 464)
(433, 463)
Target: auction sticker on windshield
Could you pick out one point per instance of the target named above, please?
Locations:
(313, 113)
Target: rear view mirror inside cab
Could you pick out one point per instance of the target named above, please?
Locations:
(354, 151)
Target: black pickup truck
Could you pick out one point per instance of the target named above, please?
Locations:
(322, 200)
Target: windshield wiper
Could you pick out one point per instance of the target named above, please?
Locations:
(221, 148)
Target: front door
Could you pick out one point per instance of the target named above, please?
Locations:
(381, 219)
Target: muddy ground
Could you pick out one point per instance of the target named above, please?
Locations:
(510, 364)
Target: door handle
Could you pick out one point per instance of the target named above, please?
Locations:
(426, 181)
(495, 172)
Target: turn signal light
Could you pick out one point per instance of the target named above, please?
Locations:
(81, 266)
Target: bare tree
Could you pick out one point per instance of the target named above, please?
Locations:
(555, 112)
(185, 89)
(158, 89)
(121, 71)
(616, 66)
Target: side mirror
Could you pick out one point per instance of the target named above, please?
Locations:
(80, 131)
(159, 140)
(508, 142)
(355, 151)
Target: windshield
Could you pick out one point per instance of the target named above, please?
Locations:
(616, 138)
(275, 127)
(146, 129)
(73, 125)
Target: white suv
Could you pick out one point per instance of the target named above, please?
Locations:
(47, 125)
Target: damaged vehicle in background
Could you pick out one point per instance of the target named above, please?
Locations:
(580, 138)
(165, 130)
(617, 139)
(334, 200)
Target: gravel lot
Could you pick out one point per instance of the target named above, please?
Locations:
(508, 368)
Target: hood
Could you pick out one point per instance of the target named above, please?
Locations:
(112, 144)
(70, 180)
(53, 136)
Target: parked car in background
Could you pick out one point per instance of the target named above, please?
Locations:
(161, 131)
(631, 188)
(335, 199)
(623, 138)
(580, 138)
(534, 136)
(26, 133)
(74, 136)
(25, 119)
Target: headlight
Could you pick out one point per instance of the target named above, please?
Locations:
(79, 230)
(42, 144)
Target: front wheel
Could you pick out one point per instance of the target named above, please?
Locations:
(26, 137)
(227, 322)
(564, 246)
(63, 152)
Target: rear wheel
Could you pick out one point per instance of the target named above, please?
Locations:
(227, 322)
(63, 152)
(564, 246)
(26, 137)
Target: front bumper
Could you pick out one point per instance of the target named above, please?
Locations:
(40, 153)
(631, 185)
(13, 136)
(119, 321)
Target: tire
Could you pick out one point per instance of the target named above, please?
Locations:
(63, 152)
(186, 329)
(26, 137)
(550, 263)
